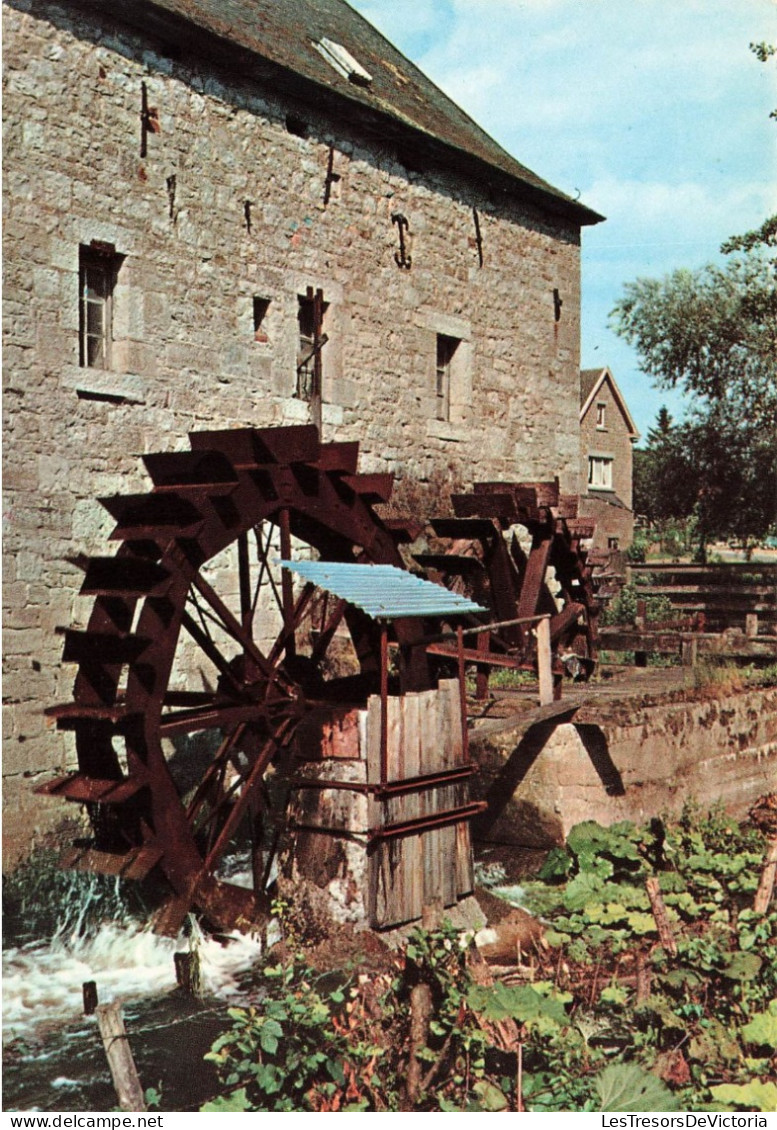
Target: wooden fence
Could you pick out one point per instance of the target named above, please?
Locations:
(736, 595)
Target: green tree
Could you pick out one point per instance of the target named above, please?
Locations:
(665, 482)
(713, 334)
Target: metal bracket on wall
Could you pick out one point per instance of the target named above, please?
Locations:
(402, 257)
(149, 120)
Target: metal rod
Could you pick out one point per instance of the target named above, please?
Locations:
(393, 788)
(440, 637)
(448, 816)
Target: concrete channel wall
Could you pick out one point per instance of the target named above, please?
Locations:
(627, 761)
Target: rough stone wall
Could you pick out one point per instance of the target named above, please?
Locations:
(185, 355)
(635, 763)
(612, 441)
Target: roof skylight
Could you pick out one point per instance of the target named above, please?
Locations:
(343, 61)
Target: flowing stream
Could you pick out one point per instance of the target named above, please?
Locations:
(53, 1056)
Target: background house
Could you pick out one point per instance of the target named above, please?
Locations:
(607, 438)
(271, 219)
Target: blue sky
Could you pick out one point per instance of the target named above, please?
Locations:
(655, 111)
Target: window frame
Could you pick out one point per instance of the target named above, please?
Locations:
(446, 346)
(604, 465)
(601, 416)
(104, 262)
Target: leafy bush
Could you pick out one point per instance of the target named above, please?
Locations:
(605, 1017)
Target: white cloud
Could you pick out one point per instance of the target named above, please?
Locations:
(655, 111)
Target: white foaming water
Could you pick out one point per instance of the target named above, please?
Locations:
(42, 981)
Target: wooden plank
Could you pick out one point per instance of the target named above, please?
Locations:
(395, 848)
(411, 763)
(374, 807)
(117, 1050)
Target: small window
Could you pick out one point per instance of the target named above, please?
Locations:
(98, 268)
(600, 472)
(613, 543)
(261, 306)
(601, 416)
(311, 341)
(446, 350)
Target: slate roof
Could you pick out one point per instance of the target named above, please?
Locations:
(284, 32)
(589, 378)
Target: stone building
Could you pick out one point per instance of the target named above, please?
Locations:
(257, 213)
(607, 438)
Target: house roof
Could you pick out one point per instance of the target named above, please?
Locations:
(591, 381)
(284, 33)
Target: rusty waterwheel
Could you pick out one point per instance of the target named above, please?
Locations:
(544, 572)
(186, 694)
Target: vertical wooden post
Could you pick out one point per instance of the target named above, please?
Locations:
(287, 584)
(122, 1065)
(751, 625)
(187, 972)
(665, 935)
(763, 895)
(689, 650)
(89, 989)
(543, 661)
(384, 704)
(462, 694)
(481, 679)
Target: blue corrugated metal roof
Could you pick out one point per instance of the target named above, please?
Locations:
(383, 591)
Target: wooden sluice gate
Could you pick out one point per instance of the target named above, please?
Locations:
(381, 813)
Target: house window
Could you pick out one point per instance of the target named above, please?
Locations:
(446, 350)
(601, 416)
(98, 267)
(613, 543)
(600, 472)
(311, 341)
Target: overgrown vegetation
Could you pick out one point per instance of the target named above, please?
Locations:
(600, 1016)
(623, 609)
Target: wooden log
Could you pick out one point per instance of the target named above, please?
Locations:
(420, 1014)
(89, 989)
(643, 985)
(123, 1071)
(665, 935)
(763, 896)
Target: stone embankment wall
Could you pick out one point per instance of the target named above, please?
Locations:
(629, 761)
(217, 233)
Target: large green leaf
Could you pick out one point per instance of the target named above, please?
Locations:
(762, 1029)
(582, 891)
(556, 866)
(519, 1002)
(490, 1096)
(743, 966)
(627, 1086)
(755, 1095)
(224, 1104)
